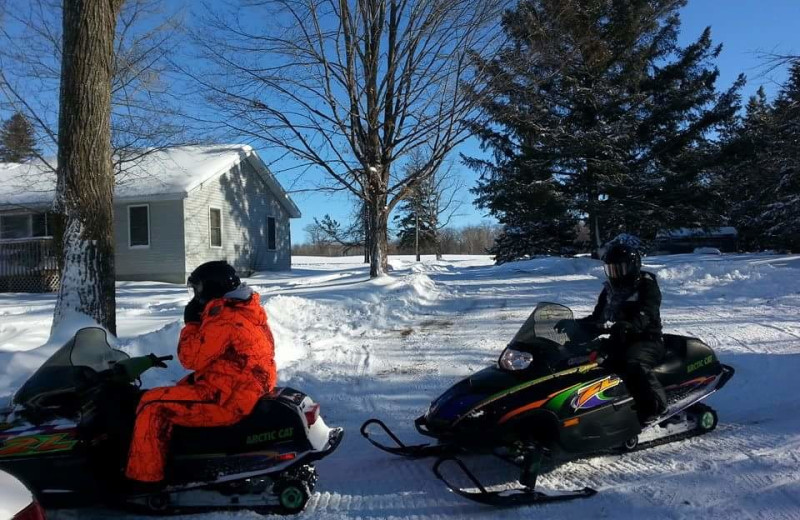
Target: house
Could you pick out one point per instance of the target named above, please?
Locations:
(174, 209)
(686, 240)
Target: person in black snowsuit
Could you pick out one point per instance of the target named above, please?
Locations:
(631, 302)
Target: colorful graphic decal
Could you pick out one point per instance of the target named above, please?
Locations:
(522, 409)
(36, 444)
(577, 370)
(593, 395)
(696, 382)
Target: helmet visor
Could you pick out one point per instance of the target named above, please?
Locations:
(617, 271)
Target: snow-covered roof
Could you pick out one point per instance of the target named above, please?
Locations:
(698, 232)
(169, 173)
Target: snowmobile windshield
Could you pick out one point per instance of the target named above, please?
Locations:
(541, 324)
(66, 369)
(88, 348)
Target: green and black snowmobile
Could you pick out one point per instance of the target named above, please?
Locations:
(549, 399)
(68, 431)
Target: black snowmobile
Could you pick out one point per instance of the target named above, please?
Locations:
(548, 400)
(68, 431)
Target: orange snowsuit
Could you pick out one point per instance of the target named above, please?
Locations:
(232, 355)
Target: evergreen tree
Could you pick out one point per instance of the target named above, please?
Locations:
(419, 210)
(17, 139)
(782, 216)
(759, 177)
(598, 115)
(745, 172)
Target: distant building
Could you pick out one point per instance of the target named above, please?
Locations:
(173, 210)
(686, 240)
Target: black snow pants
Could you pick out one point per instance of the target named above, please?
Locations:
(634, 363)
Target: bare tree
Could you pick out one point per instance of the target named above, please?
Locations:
(85, 172)
(145, 109)
(351, 88)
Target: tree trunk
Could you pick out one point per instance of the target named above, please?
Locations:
(85, 174)
(378, 237)
(365, 221)
(416, 234)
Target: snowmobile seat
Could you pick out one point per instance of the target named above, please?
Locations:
(680, 351)
(272, 421)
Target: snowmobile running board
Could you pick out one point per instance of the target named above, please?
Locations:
(525, 496)
(415, 451)
(692, 399)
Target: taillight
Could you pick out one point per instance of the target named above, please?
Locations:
(32, 512)
(311, 413)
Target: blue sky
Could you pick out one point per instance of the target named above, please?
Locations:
(746, 28)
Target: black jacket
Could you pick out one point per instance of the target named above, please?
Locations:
(639, 306)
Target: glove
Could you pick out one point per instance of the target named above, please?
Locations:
(620, 331)
(565, 326)
(193, 312)
(134, 367)
(155, 362)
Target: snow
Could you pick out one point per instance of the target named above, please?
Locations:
(14, 496)
(386, 347)
(166, 172)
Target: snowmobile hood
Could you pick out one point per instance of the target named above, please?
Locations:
(461, 397)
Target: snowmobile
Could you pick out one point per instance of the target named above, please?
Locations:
(68, 431)
(549, 400)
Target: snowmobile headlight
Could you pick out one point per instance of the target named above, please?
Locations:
(515, 359)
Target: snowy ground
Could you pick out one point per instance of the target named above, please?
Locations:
(384, 348)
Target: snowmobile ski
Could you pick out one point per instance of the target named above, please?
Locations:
(526, 495)
(414, 451)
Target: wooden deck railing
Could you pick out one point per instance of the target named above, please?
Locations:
(28, 265)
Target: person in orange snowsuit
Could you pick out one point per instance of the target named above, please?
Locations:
(229, 346)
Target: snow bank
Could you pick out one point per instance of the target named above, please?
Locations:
(320, 331)
(334, 309)
(554, 266)
(738, 276)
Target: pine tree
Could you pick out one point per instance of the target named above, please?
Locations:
(418, 218)
(598, 115)
(745, 172)
(782, 216)
(17, 140)
(759, 177)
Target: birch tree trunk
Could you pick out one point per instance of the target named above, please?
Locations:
(85, 174)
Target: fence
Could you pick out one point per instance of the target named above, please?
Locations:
(29, 265)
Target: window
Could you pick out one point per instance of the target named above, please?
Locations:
(42, 225)
(15, 226)
(139, 226)
(215, 226)
(26, 225)
(271, 241)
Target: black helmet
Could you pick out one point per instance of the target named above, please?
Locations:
(623, 263)
(213, 280)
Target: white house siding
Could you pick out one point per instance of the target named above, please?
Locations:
(246, 202)
(164, 259)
